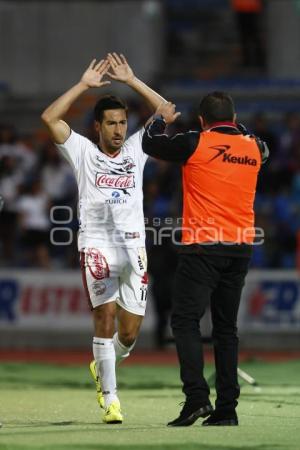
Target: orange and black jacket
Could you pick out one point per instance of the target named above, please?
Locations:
(219, 176)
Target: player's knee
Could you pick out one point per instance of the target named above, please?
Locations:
(128, 338)
(104, 321)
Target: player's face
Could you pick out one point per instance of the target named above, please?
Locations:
(112, 130)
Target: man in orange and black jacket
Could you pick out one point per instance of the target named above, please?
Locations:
(220, 166)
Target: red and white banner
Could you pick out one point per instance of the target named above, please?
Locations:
(43, 300)
(50, 300)
(47, 300)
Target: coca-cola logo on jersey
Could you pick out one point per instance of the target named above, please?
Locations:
(114, 181)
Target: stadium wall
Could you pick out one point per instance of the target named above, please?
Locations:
(41, 309)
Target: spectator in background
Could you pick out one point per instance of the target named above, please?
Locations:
(18, 148)
(7, 140)
(59, 184)
(248, 16)
(33, 209)
(289, 140)
(284, 217)
(260, 127)
(159, 210)
(10, 180)
(57, 177)
(162, 265)
(27, 153)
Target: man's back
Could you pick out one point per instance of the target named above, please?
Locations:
(219, 182)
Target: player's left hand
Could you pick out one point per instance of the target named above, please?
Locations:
(120, 69)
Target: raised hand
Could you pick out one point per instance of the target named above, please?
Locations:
(93, 75)
(120, 69)
(167, 110)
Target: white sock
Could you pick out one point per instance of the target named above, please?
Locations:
(121, 350)
(105, 357)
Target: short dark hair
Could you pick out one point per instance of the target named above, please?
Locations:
(216, 107)
(108, 102)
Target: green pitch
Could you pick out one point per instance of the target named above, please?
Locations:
(51, 407)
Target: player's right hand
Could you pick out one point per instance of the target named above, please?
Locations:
(168, 111)
(93, 75)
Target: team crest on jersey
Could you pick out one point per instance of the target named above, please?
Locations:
(99, 287)
(128, 164)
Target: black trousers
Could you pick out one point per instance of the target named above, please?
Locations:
(200, 280)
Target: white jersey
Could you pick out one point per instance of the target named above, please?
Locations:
(110, 206)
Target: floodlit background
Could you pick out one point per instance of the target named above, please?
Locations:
(183, 49)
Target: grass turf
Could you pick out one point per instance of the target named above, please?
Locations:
(54, 407)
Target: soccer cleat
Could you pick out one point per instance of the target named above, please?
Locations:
(190, 412)
(221, 419)
(100, 398)
(113, 413)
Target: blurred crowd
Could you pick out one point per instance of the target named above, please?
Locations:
(39, 196)
(237, 41)
(33, 179)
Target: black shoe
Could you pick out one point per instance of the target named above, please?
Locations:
(218, 418)
(190, 412)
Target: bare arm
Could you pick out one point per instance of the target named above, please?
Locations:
(52, 116)
(121, 71)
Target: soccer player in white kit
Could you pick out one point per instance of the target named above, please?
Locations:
(111, 236)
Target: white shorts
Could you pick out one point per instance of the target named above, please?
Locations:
(116, 274)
